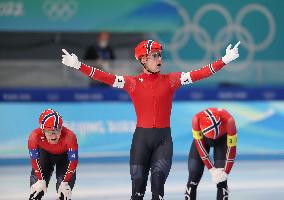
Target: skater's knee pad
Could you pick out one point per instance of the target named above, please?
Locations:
(159, 173)
(138, 172)
(162, 166)
(139, 177)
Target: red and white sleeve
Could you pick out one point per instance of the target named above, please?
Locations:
(199, 74)
(35, 155)
(199, 142)
(99, 75)
(231, 144)
(73, 157)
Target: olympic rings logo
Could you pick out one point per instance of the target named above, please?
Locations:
(213, 46)
(62, 10)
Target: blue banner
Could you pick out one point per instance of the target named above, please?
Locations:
(106, 128)
(112, 94)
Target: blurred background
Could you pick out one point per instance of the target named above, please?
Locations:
(104, 34)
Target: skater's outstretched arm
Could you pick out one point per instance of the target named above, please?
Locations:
(117, 81)
(208, 70)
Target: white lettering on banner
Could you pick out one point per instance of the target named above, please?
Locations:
(88, 97)
(17, 97)
(123, 126)
(84, 128)
(10, 8)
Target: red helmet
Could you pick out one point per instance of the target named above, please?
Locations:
(210, 122)
(50, 120)
(145, 47)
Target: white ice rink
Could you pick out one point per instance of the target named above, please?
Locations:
(249, 180)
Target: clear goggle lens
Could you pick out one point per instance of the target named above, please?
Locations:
(156, 55)
(56, 131)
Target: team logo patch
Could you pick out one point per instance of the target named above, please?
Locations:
(185, 78)
(119, 82)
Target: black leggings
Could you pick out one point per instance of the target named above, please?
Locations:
(196, 167)
(47, 162)
(151, 149)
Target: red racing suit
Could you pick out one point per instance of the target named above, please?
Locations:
(152, 94)
(226, 125)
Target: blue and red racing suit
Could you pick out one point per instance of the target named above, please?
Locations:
(45, 156)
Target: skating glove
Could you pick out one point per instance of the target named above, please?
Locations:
(231, 54)
(218, 175)
(70, 60)
(65, 189)
(37, 187)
